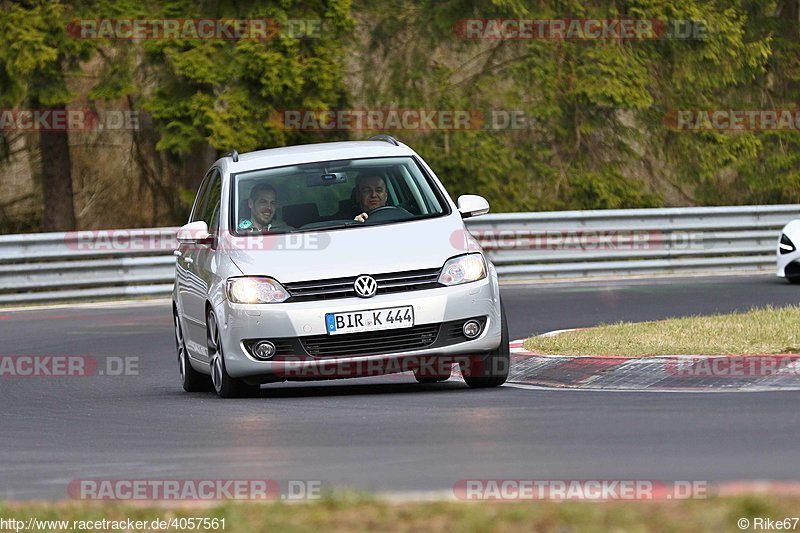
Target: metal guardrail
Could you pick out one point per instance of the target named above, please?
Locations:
(49, 267)
(52, 267)
(642, 241)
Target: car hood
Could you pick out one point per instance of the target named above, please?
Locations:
(393, 247)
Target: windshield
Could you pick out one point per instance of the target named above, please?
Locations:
(348, 193)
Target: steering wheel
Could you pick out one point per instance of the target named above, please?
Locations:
(388, 212)
(382, 208)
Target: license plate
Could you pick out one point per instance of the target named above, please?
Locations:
(370, 320)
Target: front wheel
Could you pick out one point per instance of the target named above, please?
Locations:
(225, 385)
(191, 379)
(490, 370)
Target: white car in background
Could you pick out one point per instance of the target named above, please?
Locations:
(788, 253)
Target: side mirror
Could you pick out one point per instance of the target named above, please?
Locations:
(472, 205)
(194, 233)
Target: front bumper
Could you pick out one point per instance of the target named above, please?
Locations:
(788, 263)
(242, 322)
(789, 268)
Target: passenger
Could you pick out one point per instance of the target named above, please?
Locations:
(263, 209)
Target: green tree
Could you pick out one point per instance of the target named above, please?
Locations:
(225, 93)
(596, 108)
(36, 53)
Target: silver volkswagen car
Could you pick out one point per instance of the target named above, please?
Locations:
(333, 260)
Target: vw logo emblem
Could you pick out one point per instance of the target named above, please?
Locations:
(365, 286)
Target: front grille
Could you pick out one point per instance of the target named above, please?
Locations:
(328, 289)
(368, 343)
(371, 343)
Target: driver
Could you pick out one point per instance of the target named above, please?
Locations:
(263, 206)
(370, 194)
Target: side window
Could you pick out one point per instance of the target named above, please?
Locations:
(210, 209)
(393, 198)
(401, 188)
(408, 192)
(199, 201)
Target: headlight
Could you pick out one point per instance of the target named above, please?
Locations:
(786, 246)
(463, 269)
(255, 291)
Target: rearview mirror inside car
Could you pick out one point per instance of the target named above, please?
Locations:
(329, 178)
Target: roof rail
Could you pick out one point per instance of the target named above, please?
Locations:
(386, 138)
(234, 155)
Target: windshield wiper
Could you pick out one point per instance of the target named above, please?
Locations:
(338, 225)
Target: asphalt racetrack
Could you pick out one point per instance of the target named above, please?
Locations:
(386, 434)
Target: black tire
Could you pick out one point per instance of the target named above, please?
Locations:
(490, 370)
(432, 378)
(191, 379)
(794, 280)
(224, 385)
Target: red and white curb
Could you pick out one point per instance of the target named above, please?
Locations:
(701, 373)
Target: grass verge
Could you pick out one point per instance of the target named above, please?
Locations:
(364, 514)
(765, 330)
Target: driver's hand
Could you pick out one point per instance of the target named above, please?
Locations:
(361, 218)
